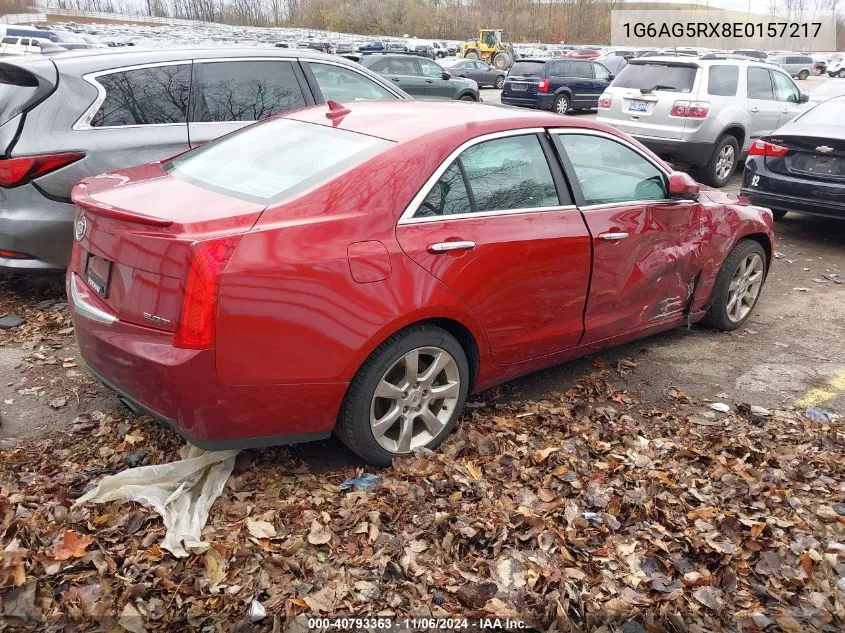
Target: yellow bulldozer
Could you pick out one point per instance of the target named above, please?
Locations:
(490, 48)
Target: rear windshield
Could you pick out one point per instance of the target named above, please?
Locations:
(527, 69)
(274, 160)
(827, 113)
(656, 76)
(17, 89)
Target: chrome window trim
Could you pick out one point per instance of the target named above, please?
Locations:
(407, 216)
(84, 121)
(482, 214)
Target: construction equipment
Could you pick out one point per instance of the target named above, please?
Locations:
(490, 48)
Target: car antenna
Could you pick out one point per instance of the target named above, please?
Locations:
(336, 111)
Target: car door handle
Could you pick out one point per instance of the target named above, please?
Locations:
(396, 79)
(445, 247)
(754, 109)
(611, 237)
(785, 111)
(429, 81)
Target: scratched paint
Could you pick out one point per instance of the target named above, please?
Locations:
(833, 388)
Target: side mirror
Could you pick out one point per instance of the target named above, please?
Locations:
(446, 75)
(611, 77)
(803, 98)
(682, 186)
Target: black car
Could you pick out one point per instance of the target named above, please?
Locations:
(559, 85)
(481, 72)
(801, 166)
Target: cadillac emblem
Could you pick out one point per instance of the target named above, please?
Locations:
(79, 228)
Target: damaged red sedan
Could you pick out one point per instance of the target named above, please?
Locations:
(361, 269)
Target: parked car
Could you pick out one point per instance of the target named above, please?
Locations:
(800, 66)
(836, 66)
(376, 46)
(826, 91)
(559, 85)
(704, 112)
(421, 77)
(750, 53)
(397, 47)
(13, 45)
(585, 52)
(80, 114)
(614, 63)
(801, 166)
(441, 49)
(425, 50)
(479, 71)
(208, 273)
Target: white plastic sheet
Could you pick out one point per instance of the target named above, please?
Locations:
(181, 492)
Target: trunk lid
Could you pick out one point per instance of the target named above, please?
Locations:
(523, 79)
(811, 153)
(135, 245)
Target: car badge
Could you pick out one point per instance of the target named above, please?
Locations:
(79, 228)
(824, 149)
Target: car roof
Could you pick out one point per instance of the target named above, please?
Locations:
(404, 121)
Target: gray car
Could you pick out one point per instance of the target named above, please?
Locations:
(705, 112)
(479, 71)
(421, 77)
(800, 66)
(84, 113)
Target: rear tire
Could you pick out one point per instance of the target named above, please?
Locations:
(735, 285)
(467, 98)
(561, 104)
(502, 61)
(472, 55)
(500, 82)
(723, 162)
(779, 214)
(803, 75)
(841, 74)
(361, 424)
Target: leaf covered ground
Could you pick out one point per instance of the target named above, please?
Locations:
(587, 511)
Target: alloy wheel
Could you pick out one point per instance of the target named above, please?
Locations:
(725, 162)
(500, 82)
(415, 399)
(745, 287)
(562, 105)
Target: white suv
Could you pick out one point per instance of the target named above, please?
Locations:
(705, 112)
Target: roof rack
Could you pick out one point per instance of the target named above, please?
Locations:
(728, 56)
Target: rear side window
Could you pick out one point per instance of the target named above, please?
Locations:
(722, 80)
(655, 75)
(145, 96)
(344, 84)
(274, 160)
(759, 84)
(10, 40)
(449, 195)
(402, 67)
(560, 69)
(582, 70)
(17, 89)
(527, 69)
(245, 91)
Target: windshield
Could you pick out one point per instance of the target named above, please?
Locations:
(274, 160)
(658, 76)
(527, 69)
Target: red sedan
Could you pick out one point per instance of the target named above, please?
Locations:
(361, 269)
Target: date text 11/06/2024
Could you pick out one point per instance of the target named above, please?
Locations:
(416, 624)
(722, 29)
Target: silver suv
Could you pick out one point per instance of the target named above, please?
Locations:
(800, 66)
(704, 112)
(84, 113)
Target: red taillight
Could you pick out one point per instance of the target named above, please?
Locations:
(23, 169)
(196, 324)
(690, 109)
(544, 85)
(604, 102)
(762, 148)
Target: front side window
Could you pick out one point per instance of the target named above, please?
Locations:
(144, 96)
(344, 84)
(245, 91)
(759, 84)
(722, 80)
(430, 69)
(785, 89)
(609, 172)
(274, 160)
(602, 73)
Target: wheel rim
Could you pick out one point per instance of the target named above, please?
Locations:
(500, 81)
(562, 105)
(725, 162)
(745, 287)
(415, 399)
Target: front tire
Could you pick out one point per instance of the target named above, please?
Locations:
(472, 55)
(467, 97)
(502, 61)
(841, 74)
(408, 394)
(723, 161)
(738, 286)
(500, 82)
(803, 75)
(561, 104)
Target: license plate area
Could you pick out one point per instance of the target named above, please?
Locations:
(98, 274)
(638, 107)
(519, 87)
(817, 165)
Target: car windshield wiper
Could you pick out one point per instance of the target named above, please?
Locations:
(646, 91)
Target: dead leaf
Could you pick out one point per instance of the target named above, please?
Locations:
(71, 545)
(319, 533)
(260, 529)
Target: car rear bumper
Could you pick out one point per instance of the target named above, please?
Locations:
(181, 387)
(36, 225)
(785, 192)
(524, 102)
(692, 153)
